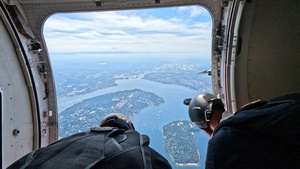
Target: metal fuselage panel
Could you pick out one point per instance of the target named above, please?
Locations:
(260, 58)
(25, 117)
(17, 122)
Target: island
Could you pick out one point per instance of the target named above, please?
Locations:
(180, 143)
(88, 113)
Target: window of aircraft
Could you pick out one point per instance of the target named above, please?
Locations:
(141, 63)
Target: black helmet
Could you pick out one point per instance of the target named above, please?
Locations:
(200, 109)
(117, 120)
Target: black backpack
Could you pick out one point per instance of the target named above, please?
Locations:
(110, 148)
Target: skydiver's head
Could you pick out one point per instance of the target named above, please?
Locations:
(117, 120)
(205, 110)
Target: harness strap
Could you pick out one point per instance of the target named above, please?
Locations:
(146, 154)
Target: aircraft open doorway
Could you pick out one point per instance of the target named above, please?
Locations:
(141, 63)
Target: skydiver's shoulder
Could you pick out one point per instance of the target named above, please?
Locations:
(228, 136)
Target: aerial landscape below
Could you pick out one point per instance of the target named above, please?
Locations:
(148, 91)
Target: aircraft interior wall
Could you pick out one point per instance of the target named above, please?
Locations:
(268, 65)
(17, 122)
(25, 115)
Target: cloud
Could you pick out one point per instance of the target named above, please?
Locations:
(129, 31)
(193, 11)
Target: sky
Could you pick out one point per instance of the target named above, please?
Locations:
(160, 30)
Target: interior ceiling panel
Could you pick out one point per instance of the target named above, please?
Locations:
(38, 10)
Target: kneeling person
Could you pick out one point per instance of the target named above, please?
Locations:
(262, 134)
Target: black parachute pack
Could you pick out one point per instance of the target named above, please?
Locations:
(103, 148)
